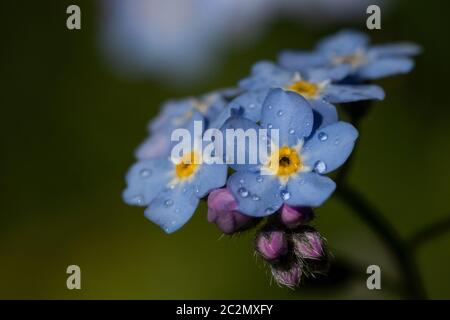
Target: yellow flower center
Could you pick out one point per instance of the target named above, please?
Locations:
(305, 88)
(285, 162)
(187, 166)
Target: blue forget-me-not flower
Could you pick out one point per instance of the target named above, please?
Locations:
(298, 162)
(351, 50)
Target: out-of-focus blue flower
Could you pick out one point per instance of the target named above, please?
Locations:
(180, 114)
(296, 164)
(315, 85)
(351, 49)
(171, 189)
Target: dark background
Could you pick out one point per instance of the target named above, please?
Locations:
(70, 125)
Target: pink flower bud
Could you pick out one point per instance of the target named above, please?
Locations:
(292, 217)
(309, 245)
(222, 210)
(289, 277)
(271, 245)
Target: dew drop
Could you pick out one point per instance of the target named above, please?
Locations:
(285, 195)
(269, 107)
(255, 197)
(322, 136)
(168, 202)
(145, 173)
(268, 210)
(259, 179)
(138, 199)
(320, 166)
(243, 192)
(251, 106)
(291, 131)
(269, 125)
(279, 113)
(337, 141)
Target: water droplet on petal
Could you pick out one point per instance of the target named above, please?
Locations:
(291, 131)
(145, 173)
(285, 195)
(320, 166)
(279, 113)
(269, 125)
(322, 136)
(337, 141)
(138, 199)
(251, 106)
(269, 107)
(255, 197)
(259, 179)
(168, 202)
(268, 210)
(243, 192)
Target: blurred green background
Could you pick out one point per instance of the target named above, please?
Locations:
(70, 126)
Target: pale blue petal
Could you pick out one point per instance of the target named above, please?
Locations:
(385, 67)
(329, 147)
(158, 145)
(309, 189)
(343, 43)
(334, 73)
(395, 49)
(171, 110)
(251, 103)
(326, 111)
(301, 60)
(256, 195)
(172, 208)
(145, 179)
(288, 112)
(335, 93)
(240, 150)
(209, 177)
(266, 75)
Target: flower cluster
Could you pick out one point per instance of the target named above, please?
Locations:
(295, 96)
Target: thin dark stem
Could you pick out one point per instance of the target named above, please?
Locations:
(386, 232)
(429, 233)
(400, 249)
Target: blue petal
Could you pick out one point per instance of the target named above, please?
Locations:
(385, 67)
(288, 112)
(158, 145)
(235, 123)
(302, 61)
(256, 195)
(209, 177)
(335, 93)
(344, 42)
(329, 147)
(394, 49)
(145, 179)
(327, 111)
(335, 73)
(171, 110)
(309, 189)
(251, 103)
(266, 75)
(172, 208)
